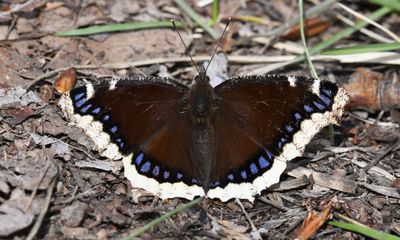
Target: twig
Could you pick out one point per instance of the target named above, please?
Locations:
(255, 233)
(44, 76)
(344, 217)
(42, 214)
(269, 202)
(380, 157)
(12, 25)
(253, 227)
(46, 168)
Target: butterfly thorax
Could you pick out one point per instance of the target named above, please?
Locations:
(201, 101)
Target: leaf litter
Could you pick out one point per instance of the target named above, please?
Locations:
(92, 199)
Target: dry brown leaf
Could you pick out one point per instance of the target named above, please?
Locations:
(312, 27)
(313, 222)
(66, 81)
(371, 91)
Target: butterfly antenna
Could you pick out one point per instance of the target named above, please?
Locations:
(186, 48)
(219, 41)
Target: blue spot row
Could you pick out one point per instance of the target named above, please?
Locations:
(254, 169)
(148, 168)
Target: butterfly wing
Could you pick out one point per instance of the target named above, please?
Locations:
(139, 120)
(261, 123)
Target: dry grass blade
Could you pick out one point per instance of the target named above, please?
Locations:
(359, 15)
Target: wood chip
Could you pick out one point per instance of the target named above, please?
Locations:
(386, 191)
(337, 183)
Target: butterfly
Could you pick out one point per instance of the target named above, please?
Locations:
(229, 141)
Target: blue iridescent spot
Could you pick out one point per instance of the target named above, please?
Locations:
(253, 168)
(289, 128)
(106, 118)
(243, 173)
(179, 175)
(269, 154)
(138, 159)
(318, 105)
(79, 96)
(263, 162)
(297, 116)
(79, 103)
(328, 92)
(114, 129)
(325, 99)
(195, 181)
(120, 142)
(215, 184)
(166, 174)
(281, 142)
(308, 109)
(145, 167)
(231, 177)
(96, 110)
(156, 170)
(86, 108)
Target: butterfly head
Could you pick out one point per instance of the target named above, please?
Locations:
(202, 76)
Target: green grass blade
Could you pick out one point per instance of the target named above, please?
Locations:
(379, 47)
(117, 28)
(393, 4)
(369, 232)
(197, 19)
(303, 40)
(136, 233)
(214, 13)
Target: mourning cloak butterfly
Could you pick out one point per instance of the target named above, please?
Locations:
(231, 141)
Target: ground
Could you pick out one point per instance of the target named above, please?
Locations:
(53, 185)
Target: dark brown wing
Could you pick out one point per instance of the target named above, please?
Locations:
(144, 119)
(264, 121)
